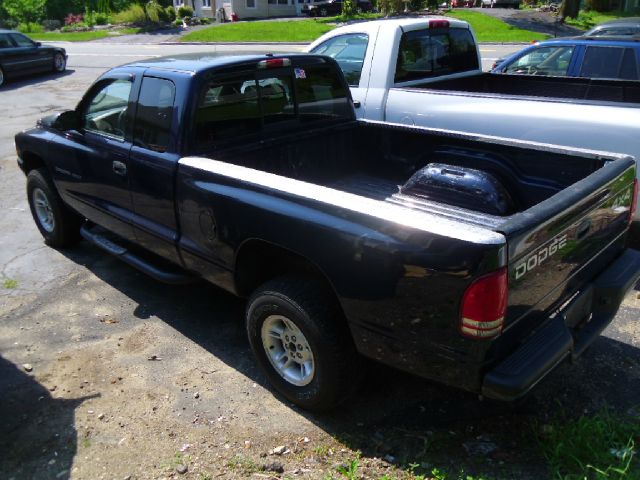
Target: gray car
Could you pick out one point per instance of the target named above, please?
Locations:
(618, 27)
(19, 55)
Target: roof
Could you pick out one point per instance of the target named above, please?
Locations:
(620, 21)
(402, 22)
(198, 62)
(618, 41)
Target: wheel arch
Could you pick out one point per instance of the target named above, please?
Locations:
(31, 161)
(258, 261)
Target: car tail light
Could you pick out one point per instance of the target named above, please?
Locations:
(274, 63)
(484, 306)
(438, 23)
(634, 201)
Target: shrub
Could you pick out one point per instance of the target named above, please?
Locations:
(153, 10)
(89, 18)
(30, 27)
(73, 18)
(51, 24)
(177, 22)
(134, 14)
(76, 27)
(349, 8)
(101, 18)
(185, 11)
(171, 14)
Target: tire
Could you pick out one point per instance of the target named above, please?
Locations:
(324, 12)
(59, 226)
(297, 315)
(59, 63)
(2, 77)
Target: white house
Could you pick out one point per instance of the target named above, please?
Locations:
(244, 8)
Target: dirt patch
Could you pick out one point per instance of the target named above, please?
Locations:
(543, 22)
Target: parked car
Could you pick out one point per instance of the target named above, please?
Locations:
(620, 26)
(500, 3)
(333, 7)
(588, 57)
(19, 55)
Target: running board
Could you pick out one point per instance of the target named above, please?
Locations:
(160, 273)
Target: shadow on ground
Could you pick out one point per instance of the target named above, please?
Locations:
(395, 415)
(20, 82)
(38, 438)
(541, 22)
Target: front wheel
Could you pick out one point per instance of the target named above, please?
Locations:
(302, 343)
(324, 12)
(2, 79)
(59, 226)
(59, 63)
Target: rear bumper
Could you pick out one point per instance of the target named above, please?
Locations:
(556, 340)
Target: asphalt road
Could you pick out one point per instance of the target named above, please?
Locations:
(87, 324)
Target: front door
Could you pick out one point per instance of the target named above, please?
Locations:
(98, 186)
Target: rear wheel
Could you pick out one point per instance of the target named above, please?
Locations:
(1, 77)
(59, 226)
(302, 343)
(59, 63)
(324, 12)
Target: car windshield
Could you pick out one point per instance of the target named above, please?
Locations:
(553, 61)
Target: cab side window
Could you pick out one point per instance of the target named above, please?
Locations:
(5, 42)
(349, 51)
(22, 41)
(154, 114)
(105, 112)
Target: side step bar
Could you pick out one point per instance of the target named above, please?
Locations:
(162, 274)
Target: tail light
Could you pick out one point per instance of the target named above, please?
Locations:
(484, 306)
(274, 63)
(634, 201)
(438, 23)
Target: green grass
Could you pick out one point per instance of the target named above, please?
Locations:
(9, 283)
(69, 36)
(603, 446)
(490, 29)
(296, 31)
(586, 20)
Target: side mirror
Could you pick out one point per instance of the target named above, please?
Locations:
(65, 121)
(38, 44)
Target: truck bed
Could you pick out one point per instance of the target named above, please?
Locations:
(556, 88)
(557, 194)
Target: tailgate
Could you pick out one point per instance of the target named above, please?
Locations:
(559, 245)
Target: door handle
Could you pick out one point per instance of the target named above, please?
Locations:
(356, 104)
(119, 168)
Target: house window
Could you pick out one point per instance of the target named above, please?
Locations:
(206, 3)
(178, 3)
(251, 3)
(278, 2)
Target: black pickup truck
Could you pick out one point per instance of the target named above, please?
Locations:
(476, 261)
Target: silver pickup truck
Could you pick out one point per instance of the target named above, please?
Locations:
(427, 72)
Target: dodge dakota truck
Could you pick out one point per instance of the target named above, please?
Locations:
(475, 261)
(427, 72)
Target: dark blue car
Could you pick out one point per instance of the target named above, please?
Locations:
(611, 58)
(19, 55)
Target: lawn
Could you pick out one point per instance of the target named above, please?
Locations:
(285, 31)
(490, 29)
(68, 36)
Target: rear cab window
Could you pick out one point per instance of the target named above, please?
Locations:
(255, 103)
(435, 52)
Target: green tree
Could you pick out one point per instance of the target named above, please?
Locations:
(25, 11)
